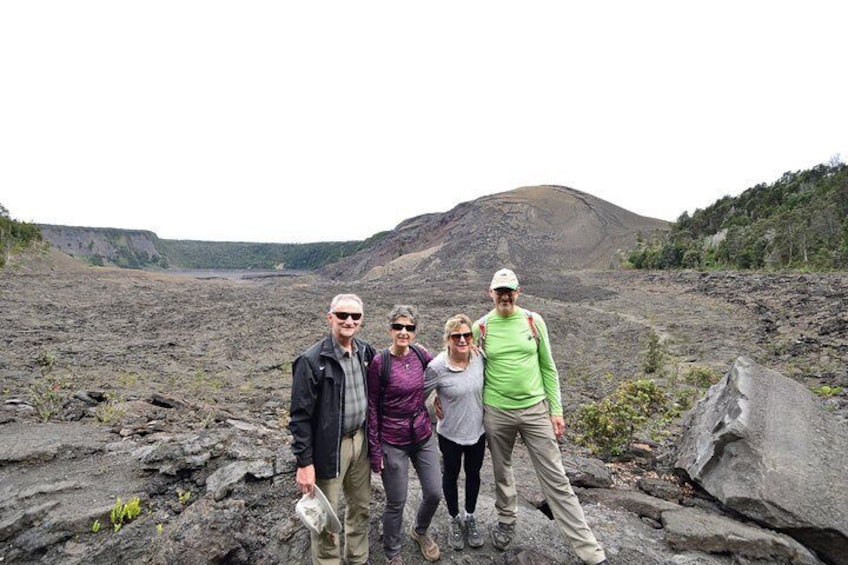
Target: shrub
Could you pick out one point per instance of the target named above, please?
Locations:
(607, 427)
(655, 355)
(702, 377)
(46, 398)
(111, 411)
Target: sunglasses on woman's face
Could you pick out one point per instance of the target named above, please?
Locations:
(345, 315)
(458, 336)
(408, 327)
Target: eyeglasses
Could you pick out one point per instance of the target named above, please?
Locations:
(458, 336)
(500, 291)
(345, 315)
(408, 327)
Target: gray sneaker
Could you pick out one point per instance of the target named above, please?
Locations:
(475, 539)
(502, 535)
(455, 537)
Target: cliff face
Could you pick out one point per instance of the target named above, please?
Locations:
(106, 246)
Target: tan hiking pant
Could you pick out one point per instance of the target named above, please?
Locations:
(534, 425)
(354, 481)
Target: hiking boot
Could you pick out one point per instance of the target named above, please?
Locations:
(455, 537)
(428, 546)
(475, 539)
(502, 535)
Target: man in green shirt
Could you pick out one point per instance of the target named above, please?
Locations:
(521, 395)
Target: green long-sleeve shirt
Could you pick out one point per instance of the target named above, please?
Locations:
(518, 374)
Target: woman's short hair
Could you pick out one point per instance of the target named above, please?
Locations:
(403, 311)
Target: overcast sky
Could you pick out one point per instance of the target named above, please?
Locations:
(319, 121)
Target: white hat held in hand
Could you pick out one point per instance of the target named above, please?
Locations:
(317, 513)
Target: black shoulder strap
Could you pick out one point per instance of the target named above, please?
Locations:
(420, 355)
(385, 371)
(385, 368)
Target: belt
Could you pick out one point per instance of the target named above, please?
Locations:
(350, 435)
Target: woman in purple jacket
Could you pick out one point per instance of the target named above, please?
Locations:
(400, 432)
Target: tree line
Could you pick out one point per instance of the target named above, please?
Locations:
(798, 222)
(15, 235)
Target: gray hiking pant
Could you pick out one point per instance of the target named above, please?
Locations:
(425, 459)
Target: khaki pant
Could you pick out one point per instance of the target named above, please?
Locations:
(354, 481)
(534, 425)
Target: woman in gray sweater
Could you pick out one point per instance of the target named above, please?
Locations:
(456, 375)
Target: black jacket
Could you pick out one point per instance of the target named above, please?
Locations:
(317, 398)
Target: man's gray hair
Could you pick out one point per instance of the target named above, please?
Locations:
(403, 310)
(339, 298)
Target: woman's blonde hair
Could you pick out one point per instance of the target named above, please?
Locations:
(453, 323)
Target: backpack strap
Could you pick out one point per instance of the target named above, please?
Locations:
(532, 323)
(420, 354)
(481, 340)
(385, 371)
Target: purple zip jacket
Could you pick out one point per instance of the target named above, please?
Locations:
(405, 419)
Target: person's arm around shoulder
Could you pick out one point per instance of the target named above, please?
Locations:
(431, 383)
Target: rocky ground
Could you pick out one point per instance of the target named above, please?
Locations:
(174, 388)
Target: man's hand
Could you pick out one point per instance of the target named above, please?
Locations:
(306, 479)
(559, 425)
(439, 412)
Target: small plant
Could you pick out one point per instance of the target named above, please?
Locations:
(46, 361)
(655, 355)
(127, 379)
(826, 391)
(95, 527)
(46, 398)
(160, 528)
(124, 512)
(685, 400)
(703, 377)
(110, 411)
(183, 496)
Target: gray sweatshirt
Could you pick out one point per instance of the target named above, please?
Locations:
(461, 394)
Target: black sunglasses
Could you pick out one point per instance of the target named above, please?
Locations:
(503, 290)
(457, 336)
(408, 327)
(345, 315)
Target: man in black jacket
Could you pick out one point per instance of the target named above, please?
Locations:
(327, 422)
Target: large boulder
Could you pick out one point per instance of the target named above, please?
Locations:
(760, 443)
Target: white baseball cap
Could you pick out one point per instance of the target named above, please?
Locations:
(317, 513)
(504, 279)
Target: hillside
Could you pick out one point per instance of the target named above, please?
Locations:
(534, 229)
(800, 221)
